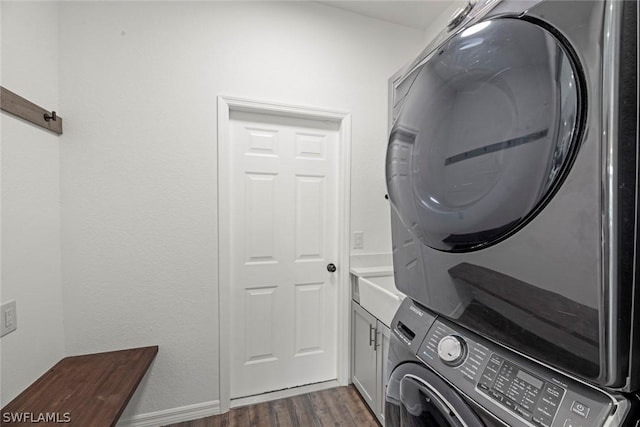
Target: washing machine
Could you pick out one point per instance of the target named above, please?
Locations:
(442, 375)
(512, 173)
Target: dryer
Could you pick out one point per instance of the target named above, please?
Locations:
(512, 172)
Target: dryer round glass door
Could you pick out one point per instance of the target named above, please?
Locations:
(485, 135)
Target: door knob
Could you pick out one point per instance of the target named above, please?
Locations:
(331, 268)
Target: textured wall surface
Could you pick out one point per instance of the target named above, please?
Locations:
(30, 199)
(138, 83)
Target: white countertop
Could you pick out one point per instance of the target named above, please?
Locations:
(384, 270)
(376, 291)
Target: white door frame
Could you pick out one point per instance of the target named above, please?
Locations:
(227, 104)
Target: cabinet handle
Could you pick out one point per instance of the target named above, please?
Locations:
(372, 339)
(375, 342)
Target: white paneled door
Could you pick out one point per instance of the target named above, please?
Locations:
(284, 233)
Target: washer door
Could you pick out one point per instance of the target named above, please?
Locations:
(418, 397)
(485, 135)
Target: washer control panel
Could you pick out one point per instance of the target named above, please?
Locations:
(516, 390)
(529, 396)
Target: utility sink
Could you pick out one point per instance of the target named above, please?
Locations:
(379, 296)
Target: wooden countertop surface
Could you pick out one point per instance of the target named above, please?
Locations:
(89, 390)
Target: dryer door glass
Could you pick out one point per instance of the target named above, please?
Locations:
(485, 135)
(421, 406)
(418, 397)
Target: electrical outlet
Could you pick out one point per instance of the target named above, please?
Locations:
(8, 318)
(358, 240)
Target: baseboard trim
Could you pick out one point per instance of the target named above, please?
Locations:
(283, 394)
(208, 409)
(172, 416)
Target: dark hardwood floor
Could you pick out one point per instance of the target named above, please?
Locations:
(341, 406)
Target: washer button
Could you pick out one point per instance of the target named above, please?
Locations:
(580, 409)
(496, 396)
(541, 421)
(522, 412)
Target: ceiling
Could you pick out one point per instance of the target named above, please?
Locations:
(417, 14)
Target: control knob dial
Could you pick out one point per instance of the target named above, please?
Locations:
(451, 350)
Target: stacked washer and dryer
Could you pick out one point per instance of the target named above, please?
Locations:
(512, 171)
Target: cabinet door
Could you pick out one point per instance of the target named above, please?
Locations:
(363, 355)
(382, 350)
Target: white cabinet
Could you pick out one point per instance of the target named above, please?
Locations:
(363, 354)
(369, 351)
(384, 333)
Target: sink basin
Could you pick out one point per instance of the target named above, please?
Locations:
(379, 296)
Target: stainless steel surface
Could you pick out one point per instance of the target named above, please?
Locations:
(622, 410)
(570, 246)
(610, 181)
(481, 8)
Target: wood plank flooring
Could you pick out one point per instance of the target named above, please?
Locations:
(340, 406)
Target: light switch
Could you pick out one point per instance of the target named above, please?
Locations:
(8, 318)
(358, 240)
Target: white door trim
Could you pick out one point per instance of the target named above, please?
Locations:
(227, 104)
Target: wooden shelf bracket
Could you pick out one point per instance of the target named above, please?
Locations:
(18, 106)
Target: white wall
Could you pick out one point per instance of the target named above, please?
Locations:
(139, 82)
(30, 199)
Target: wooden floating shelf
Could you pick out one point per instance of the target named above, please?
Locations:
(18, 106)
(89, 390)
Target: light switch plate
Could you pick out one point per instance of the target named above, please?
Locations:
(358, 240)
(8, 318)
